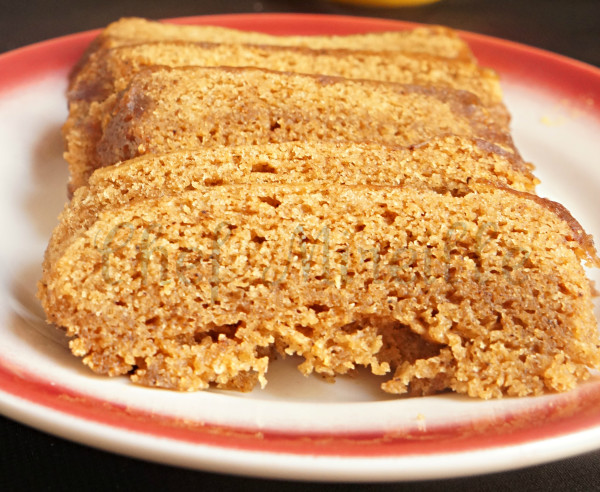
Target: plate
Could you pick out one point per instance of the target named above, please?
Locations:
(296, 428)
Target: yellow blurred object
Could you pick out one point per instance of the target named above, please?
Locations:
(388, 3)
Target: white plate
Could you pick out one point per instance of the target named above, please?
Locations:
(302, 428)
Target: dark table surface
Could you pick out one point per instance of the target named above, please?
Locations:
(32, 460)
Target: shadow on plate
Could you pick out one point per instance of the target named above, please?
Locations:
(49, 173)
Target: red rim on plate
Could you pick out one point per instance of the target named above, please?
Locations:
(571, 413)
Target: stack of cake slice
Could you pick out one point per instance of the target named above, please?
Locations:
(355, 201)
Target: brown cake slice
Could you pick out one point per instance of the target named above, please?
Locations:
(445, 164)
(111, 70)
(167, 109)
(434, 40)
(483, 294)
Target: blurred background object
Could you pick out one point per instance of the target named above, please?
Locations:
(569, 28)
(388, 3)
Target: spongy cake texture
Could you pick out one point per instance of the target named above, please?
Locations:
(200, 287)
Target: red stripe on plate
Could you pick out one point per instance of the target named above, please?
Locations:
(566, 413)
(30, 63)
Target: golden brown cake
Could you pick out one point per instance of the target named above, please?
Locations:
(167, 109)
(435, 40)
(111, 70)
(483, 294)
(445, 164)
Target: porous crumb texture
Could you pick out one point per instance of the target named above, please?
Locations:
(166, 109)
(351, 200)
(483, 294)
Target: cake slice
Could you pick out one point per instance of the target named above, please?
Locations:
(444, 164)
(111, 70)
(434, 40)
(168, 109)
(482, 294)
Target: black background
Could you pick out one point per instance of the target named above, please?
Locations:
(32, 460)
(569, 27)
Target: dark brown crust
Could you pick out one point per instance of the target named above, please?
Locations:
(516, 160)
(585, 240)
